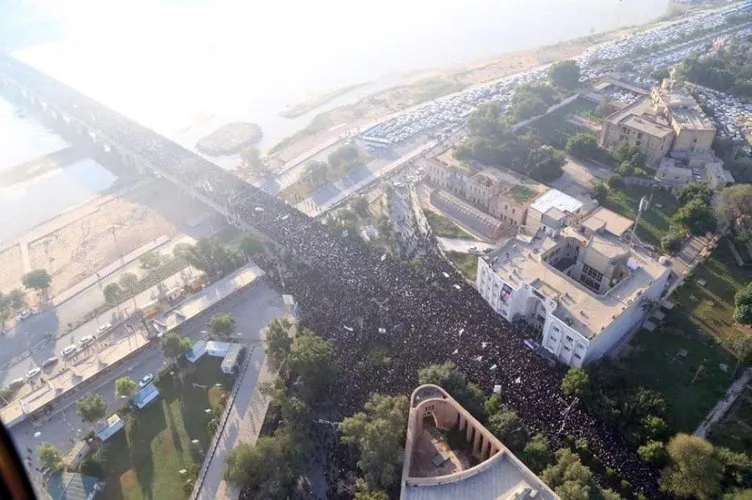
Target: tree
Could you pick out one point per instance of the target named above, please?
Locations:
(129, 283)
(575, 382)
(625, 152)
(312, 360)
(345, 156)
(582, 145)
(379, 433)
(565, 75)
(510, 430)
(150, 261)
(173, 346)
(251, 157)
(694, 190)
(741, 344)
(546, 164)
(693, 470)
(615, 181)
(278, 342)
(673, 240)
(91, 408)
(251, 245)
(316, 173)
(38, 279)
(222, 325)
(536, 453)
(599, 191)
(125, 387)
(568, 477)
(696, 216)
(50, 457)
(734, 203)
(268, 469)
(294, 411)
(738, 494)
(449, 378)
(653, 452)
(16, 299)
(112, 293)
(360, 206)
(210, 256)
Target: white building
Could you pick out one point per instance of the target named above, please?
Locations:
(583, 290)
(717, 177)
(551, 211)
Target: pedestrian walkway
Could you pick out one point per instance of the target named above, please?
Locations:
(243, 425)
(723, 406)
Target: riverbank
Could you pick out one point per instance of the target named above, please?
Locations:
(424, 86)
(317, 101)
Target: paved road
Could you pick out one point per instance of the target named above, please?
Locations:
(252, 309)
(43, 350)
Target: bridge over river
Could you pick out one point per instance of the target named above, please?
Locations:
(426, 317)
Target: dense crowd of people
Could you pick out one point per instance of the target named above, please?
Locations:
(356, 298)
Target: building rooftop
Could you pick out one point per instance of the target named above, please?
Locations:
(640, 115)
(613, 223)
(519, 262)
(553, 198)
(484, 469)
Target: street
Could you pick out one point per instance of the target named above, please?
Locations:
(252, 309)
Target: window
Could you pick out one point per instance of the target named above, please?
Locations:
(639, 136)
(591, 278)
(577, 356)
(569, 338)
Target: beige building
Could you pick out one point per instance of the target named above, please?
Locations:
(504, 195)
(669, 121)
(483, 469)
(581, 289)
(693, 130)
(638, 126)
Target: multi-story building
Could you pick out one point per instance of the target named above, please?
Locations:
(693, 130)
(436, 468)
(638, 126)
(582, 288)
(668, 121)
(504, 195)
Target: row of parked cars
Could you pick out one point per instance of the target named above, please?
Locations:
(445, 115)
(65, 353)
(729, 112)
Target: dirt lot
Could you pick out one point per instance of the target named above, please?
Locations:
(116, 228)
(11, 268)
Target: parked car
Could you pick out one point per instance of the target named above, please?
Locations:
(145, 380)
(68, 351)
(104, 328)
(26, 313)
(86, 340)
(50, 361)
(16, 383)
(33, 372)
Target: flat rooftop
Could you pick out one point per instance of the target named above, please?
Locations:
(502, 479)
(553, 198)
(519, 261)
(640, 115)
(614, 223)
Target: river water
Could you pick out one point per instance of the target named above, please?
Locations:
(185, 68)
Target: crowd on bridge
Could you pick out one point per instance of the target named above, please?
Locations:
(354, 297)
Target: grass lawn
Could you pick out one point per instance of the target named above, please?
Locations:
(691, 385)
(467, 263)
(711, 307)
(655, 222)
(143, 462)
(443, 226)
(554, 129)
(735, 431)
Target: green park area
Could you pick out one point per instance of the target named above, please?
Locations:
(555, 128)
(690, 359)
(654, 223)
(467, 263)
(443, 226)
(145, 461)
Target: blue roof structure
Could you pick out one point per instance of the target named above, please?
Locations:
(145, 396)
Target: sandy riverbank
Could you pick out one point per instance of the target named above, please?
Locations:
(316, 101)
(424, 86)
